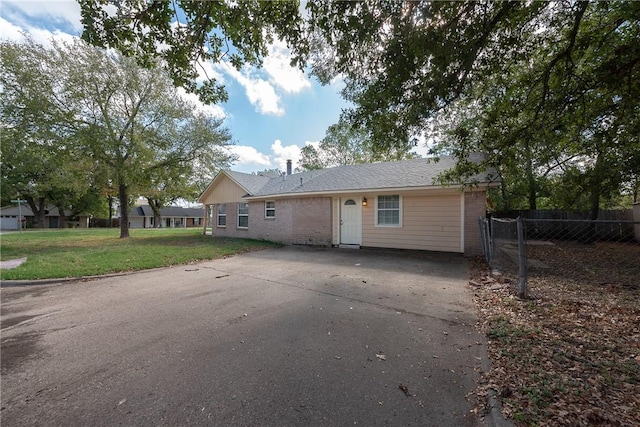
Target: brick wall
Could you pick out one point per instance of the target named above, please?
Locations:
(311, 221)
(231, 230)
(276, 229)
(304, 221)
(474, 208)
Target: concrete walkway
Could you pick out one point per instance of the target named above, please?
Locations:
(12, 263)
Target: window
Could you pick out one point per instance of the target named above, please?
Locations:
(388, 211)
(222, 216)
(243, 215)
(270, 209)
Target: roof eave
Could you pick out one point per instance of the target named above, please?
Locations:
(362, 190)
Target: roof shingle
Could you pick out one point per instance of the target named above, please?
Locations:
(401, 174)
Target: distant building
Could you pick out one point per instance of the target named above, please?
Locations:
(9, 218)
(170, 217)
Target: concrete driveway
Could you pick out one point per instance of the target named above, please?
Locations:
(287, 336)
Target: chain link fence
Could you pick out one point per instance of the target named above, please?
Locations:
(602, 252)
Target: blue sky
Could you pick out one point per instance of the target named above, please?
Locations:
(272, 112)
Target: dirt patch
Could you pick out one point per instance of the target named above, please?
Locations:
(570, 354)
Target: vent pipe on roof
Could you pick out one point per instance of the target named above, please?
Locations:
(289, 167)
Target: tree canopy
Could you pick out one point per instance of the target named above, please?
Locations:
(186, 34)
(79, 118)
(345, 144)
(549, 90)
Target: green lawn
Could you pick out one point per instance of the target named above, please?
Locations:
(77, 253)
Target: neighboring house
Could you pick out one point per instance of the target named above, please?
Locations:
(384, 205)
(9, 218)
(170, 217)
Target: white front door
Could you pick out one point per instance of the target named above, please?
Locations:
(350, 221)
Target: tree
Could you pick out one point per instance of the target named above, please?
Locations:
(185, 34)
(41, 158)
(180, 177)
(112, 113)
(345, 144)
(537, 77)
(564, 115)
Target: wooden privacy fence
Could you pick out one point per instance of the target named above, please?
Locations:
(611, 225)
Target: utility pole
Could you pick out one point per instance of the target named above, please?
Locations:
(19, 202)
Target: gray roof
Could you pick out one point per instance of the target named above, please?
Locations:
(145, 210)
(370, 176)
(253, 183)
(26, 210)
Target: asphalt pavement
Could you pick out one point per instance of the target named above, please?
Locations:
(281, 337)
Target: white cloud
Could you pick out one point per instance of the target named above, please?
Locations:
(16, 29)
(212, 110)
(284, 153)
(9, 31)
(250, 158)
(57, 12)
(281, 73)
(259, 91)
(278, 73)
(315, 144)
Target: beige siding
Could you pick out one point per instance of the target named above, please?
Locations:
(474, 209)
(335, 210)
(225, 191)
(429, 222)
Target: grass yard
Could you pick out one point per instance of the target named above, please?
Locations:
(77, 253)
(570, 354)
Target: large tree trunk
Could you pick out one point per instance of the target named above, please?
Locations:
(62, 219)
(39, 211)
(110, 200)
(156, 206)
(124, 211)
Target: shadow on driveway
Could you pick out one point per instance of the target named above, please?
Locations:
(285, 336)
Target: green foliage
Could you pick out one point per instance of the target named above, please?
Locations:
(107, 124)
(540, 87)
(345, 144)
(77, 253)
(545, 89)
(186, 34)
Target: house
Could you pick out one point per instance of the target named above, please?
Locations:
(171, 217)
(382, 205)
(9, 218)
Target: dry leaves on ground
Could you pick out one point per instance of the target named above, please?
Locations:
(569, 355)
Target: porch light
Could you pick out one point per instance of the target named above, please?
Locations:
(364, 201)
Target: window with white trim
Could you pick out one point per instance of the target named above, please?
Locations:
(270, 209)
(388, 213)
(222, 216)
(243, 215)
